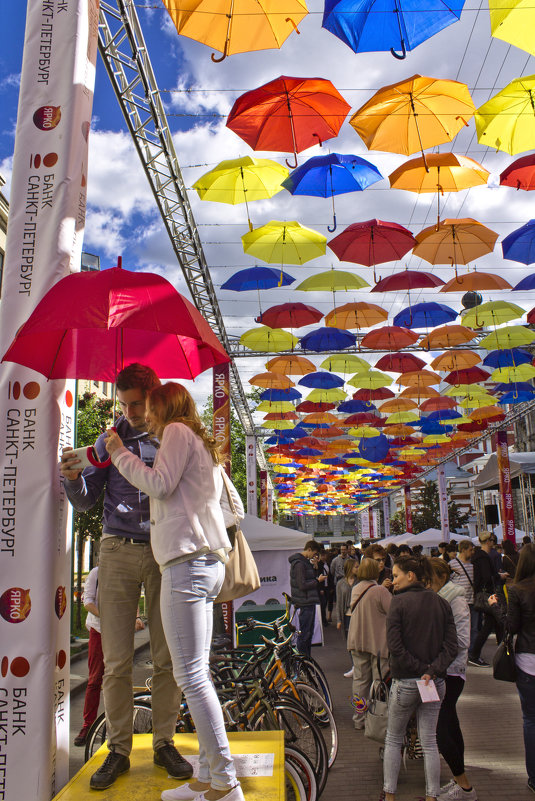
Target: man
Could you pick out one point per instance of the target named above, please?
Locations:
(378, 554)
(486, 579)
(304, 589)
(463, 575)
(126, 562)
(322, 569)
(337, 564)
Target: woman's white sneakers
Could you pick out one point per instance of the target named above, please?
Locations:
(185, 793)
(236, 794)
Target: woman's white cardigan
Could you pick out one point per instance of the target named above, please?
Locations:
(185, 488)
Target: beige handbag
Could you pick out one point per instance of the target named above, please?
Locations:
(241, 573)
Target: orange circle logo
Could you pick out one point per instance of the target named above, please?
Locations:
(31, 390)
(47, 117)
(15, 604)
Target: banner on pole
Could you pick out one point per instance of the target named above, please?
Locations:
(44, 244)
(263, 495)
(506, 489)
(252, 502)
(221, 415)
(371, 527)
(270, 504)
(364, 525)
(443, 503)
(408, 508)
(386, 516)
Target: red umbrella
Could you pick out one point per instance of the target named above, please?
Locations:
(373, 394)
(435, 404)
(520, 174)
(407, 279)
(372, 242)
(470, 375)
(402, 442)
(309, 442)
(288, 114)
(531, 316)
(400, 363)
(90, 324)
(290, 315)
(389, 337)
(473, 426)
(361, 418)
(308, 407)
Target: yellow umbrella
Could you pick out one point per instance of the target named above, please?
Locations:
(291, 365)
(402, 417)
(452, 421)
(435, 439)
(333, 395)
(462, 390)
(455, 360)
(476, 401)
(372, 379)
(455, 241)
(413, 114)
(363, 432)
(242, 181)
(276, 458)
(275, 406)
(332, 281)
(507, 121)
(513, 21)
(268, 340)
(271, 381)
(237, 26)
(356, 315)
(284, 243)
(514, 336)
(495, 312)
(522, 372)
(344, 363)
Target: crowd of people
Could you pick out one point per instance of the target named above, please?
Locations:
(417, 622)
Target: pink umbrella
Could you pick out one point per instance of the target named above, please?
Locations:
(90, 324)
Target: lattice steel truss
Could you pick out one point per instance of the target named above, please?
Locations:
(126, 58)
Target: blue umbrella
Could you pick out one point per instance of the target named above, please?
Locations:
(308, 452)
(335, 174)
(515, 386)
(320, 380)
(516, 397)
(376, 25)
(433, 427)
(257, 278)
(374, 448)
(509, 357)
(280, 394)
(277, 440)
(443, 414)
(520, 246)
(355, 406)
(328, 339)
(295, 433)
(425, 315)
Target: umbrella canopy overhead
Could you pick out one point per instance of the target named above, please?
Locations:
(425, 315)
(519, 245)
(506, 121)
(241, 180)
(356, 315)
(520, 174)
(271, 381)
(326, 339)
(475, 282)
(268, 340)
(454, 241)
(90, 324)
(284, 243)
(290, 315)
(372, 242)
(495, 312)
(408, 279)
(288, 114)
(257, 277)
(344, 363)
(447, 336)
(507, 358)
(332, 281)
(389, 337)
(447, 173)
(513, 336)
(455, 360)
(513, 22)
(291, 365)
(321, 380)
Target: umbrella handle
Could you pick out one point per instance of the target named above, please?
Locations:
(403, 52)
(292, 166)
(296, 29)
(334, 225)
(219, 60)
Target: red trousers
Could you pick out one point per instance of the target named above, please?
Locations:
(95, 663)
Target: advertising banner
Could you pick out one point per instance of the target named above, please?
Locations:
(386, 516)
(44, 243)
(270, 504)
(506, 489)
(252, 502)
(263, 495)
(365, 525)
(443, 502)
(371, 527)
(221, 417)
(408, 508)
(377, 523)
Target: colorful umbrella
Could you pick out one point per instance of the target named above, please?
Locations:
(356, 315)
(495, 312)
(455, 360)
(376, 26)
(271, 381)
(407, 279)
(454, 241)
(258, 278)
(389, 337)
(519, 245)
(91, 324)
(334, 174)
(331, 395)
(288, 114)
(241, 181)
(434, 404)
(291, 365)
(268, 340)
(380, 393)
(397, 405)
(475, 282)
(326, 339)
(307, 407)
(419, 392)
(425, 315)
(413, 115)
(525, 285)
(321, 381)
(506, 121)
(520, 174)
(523, 372)
(280, 394)
(419, 378)
(289, 315)
(447, 336)
(399, 362)
(372, 242)
(468, 375)
(231, 26)
(373, 379)
(344, 363)
(332, 281)
(284, 243)
(507, 358)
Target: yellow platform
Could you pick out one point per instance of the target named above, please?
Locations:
(259, 762)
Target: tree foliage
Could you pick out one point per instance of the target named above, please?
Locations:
(427, 514)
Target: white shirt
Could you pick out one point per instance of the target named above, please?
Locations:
(90, 597)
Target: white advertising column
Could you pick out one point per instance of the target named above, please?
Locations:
(44, 244)
(386, 516)
(252, 502)
(443, 503)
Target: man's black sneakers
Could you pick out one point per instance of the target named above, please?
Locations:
(113, 766)
(169, 758)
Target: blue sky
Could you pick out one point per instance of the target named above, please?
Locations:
(121, 213)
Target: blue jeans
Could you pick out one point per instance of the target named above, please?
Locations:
(187, 599)
(307, 616)
(475, 619)
(525, 684)
(404, 702)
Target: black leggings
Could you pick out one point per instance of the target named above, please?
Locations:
(490, 624)
(449, 735)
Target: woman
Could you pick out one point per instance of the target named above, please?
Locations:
(422, 641)
(366, 639)
(520, 620)
(190, 543)
(449, 735)
(343, 600)
(509, 561)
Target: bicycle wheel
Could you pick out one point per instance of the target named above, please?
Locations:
(300, 730)
(295, 790)
(314, 703)
(306, 670)
(142, 724)
(305, 770)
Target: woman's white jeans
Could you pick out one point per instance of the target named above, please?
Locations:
(405, 701)
(187, 599)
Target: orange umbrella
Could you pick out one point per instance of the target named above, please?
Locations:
(419, 392)
(399, 430)
(436, 403)
(475, 282)
(455, 241)
(291, 365)
(281, 416)
(397, 405)
(487, 413)
(318, 418)
(356, 315)
(419, 378)
(446, 336)
(389, 337)
(455, 360)
(328, 433)
(271, 381)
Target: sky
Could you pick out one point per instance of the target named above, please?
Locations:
(122, 218)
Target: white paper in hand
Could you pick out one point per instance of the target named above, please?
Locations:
(428, 692)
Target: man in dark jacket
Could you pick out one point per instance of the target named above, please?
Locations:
(486, 579)
(127, 562)
(304, 587)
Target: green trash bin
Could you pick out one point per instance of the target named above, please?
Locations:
(266, 613)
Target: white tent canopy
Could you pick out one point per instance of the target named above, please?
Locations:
(519, 463)
(264, 536)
